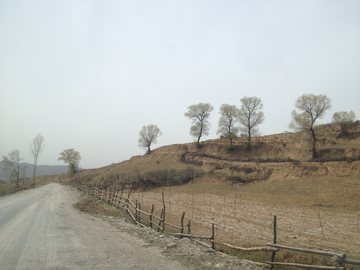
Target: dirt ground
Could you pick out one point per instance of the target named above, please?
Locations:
(190, 253)
(242, 222)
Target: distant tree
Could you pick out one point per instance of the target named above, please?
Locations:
(199, 114)
(313, 107)
(72, 158)
(227, 122)
(36, 147)
(148, 135)
(12, 163)
(344, 119)
(250, 116)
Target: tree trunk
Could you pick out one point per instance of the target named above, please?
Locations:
(249, 140)
(200, 133)
(73, 168)
(17, 181)
(34, 172)
(314, 154)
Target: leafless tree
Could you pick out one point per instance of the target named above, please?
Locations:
(199, 114)
(36, 147)
(148, 136)
(344, 119)
(228, 122)
(250, 116)
(313, 107)
(72, 158)
(12, 164)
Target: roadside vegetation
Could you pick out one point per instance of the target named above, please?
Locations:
(27, 183)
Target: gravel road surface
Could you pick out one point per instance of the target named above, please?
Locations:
(40, 229)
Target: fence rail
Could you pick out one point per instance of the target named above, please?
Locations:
(135, 211)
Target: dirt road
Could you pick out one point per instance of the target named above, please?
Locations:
(40, 229)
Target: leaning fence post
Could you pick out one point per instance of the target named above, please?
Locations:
(161, 218)
(152, 210)
(274, 253)
(182, 224)
(164, 211)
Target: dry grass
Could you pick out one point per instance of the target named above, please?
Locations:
(27, 183)
(7, 189)
(243, 216)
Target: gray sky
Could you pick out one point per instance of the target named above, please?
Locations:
(89, 74)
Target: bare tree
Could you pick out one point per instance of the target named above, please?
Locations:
(344, 119)
(250, 116)
(313, 107)
(227, 122)
(199, 114)
(148, 135)
(36, 147)
(12, 164)
(72, 158)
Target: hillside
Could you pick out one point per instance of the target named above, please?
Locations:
(279, 156)
(317, 203)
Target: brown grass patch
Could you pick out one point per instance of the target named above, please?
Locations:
(89, 206)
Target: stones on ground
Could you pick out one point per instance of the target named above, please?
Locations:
(171, 245)
(185, 240)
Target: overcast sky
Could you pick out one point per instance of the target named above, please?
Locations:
(89, 74)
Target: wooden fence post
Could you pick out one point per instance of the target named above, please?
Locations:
(152, 210)
(274, 253)
(182, 223)
(189, 227)
(113, 197)
(164, 211)
(121, 197)
(213, 237)
(136, 208)
(161, 217)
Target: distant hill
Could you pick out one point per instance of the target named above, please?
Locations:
(40, 170)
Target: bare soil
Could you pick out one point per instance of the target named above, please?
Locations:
(243, 222)
(190, 254)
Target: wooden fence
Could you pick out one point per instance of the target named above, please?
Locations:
(138, 215)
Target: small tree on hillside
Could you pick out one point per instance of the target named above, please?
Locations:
(199, 114)
(12, 164)
(72, 158)
(36, 147)
(313, 107)
(250, 116)
(227, 122)
(148, 135)
(344, 119)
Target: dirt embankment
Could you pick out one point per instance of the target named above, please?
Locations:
(286, 155)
